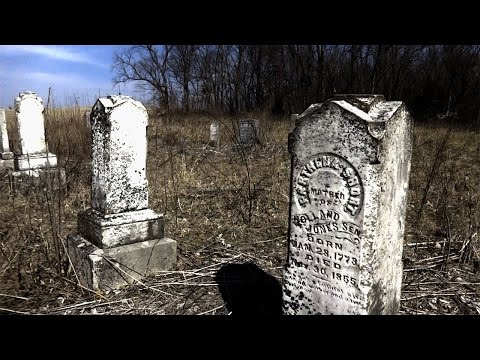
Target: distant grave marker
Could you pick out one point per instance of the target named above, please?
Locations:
(86, 117)
(215, 134)
(249, 132)
(6, 156)
(350, 168)
(119, 237)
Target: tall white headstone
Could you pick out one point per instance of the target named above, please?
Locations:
(31, 129)
(119, 224)
(350, 168)
(30, 121)
(119, 155)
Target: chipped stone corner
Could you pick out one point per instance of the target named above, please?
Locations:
(373, 109)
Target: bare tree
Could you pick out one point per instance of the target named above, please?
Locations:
(181, 63)
(146, 64)
(287, 78)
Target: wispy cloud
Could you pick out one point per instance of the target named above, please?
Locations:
(39, 79)
(63, 79)
(52, 52)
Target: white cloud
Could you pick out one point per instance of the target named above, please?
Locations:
(52, 79)
(55, 78)
(53, 52)
(64, 86)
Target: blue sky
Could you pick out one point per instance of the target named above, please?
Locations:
(82, 71)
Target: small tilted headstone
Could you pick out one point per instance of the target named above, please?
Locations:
(6, 156)
(119, 239)
(349, 180)
(86, 118)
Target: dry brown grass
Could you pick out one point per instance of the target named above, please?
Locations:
(223, 205)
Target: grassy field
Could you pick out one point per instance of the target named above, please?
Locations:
(224, 206)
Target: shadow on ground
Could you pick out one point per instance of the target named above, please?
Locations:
(248, 290)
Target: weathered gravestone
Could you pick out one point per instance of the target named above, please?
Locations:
(31, 129)
(215, 134)
(6, 156)
(35, 161)
(249, 132)
(119, 239)
(86, 116)
(350, 168)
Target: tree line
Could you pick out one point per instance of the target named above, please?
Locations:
(433, 80)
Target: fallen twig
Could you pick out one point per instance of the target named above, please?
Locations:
(135, 279)
(434, 294)
(15, 311)
(427, 243)
(209, 311)
(14, 296)
(439, 258)
(415, 310)
(86, 304)
(184, 283)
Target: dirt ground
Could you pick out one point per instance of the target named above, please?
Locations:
(228, 212)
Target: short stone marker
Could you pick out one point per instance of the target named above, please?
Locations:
(215, 134)
(35, 161)
(6, 156)
(350, 169)
(249, 132)
(86, 116)
(119, 238)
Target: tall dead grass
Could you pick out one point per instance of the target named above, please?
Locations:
(221, 195)
(444, 192)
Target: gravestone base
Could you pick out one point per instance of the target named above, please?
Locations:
(245, 148)
(111, 230)
(214, 143)
(6, 160)
(116, 267)
(6, 164)
(6, 155)
(35, 161)
(45, 179)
